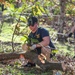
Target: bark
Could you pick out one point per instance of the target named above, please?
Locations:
(48, 65)
(8, 56)
(62, 19)
(53, 66)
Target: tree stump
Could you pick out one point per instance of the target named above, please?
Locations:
(48, 65)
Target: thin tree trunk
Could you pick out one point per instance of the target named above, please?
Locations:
(62, 18)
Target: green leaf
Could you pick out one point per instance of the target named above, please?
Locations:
(11, 7)
(23, 38)
(37, 3)
(34, 40)
(20, 9)
(42, 9)
(22, 18)
(54, 51)
(5, 12)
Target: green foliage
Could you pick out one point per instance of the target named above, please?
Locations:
(10, 1)
(23, 19)
(29, 41)
(37, 10)
(1, 70)
(54, 51)
(48, 3)
(70, 9)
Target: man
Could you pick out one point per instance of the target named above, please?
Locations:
(44, 46)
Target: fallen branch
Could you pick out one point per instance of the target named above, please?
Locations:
(34, 56)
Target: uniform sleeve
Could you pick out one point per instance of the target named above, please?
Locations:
(44, 33)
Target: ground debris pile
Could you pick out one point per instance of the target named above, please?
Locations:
(69, 64)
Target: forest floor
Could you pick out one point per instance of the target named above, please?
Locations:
(13, 67)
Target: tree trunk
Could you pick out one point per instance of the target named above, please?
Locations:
(8, 56)
(62, 19)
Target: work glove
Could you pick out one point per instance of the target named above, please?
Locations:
(33, 47)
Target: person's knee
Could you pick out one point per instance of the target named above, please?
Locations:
(46, 49)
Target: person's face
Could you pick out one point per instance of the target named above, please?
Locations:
(33, 28)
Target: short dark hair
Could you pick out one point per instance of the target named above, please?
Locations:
(32, 20)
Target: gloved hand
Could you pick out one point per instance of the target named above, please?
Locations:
(33, 47)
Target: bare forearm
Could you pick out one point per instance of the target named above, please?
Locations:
(45, 42)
